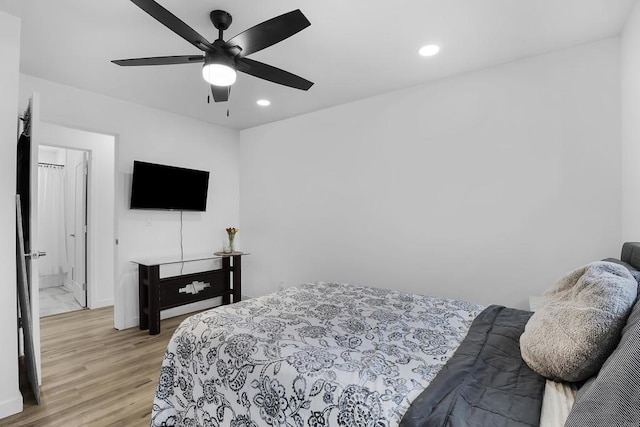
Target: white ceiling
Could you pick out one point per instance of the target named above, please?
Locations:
(354, 49)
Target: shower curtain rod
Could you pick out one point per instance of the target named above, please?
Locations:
(53, 165)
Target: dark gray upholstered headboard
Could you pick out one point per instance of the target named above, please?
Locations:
(630, 258)
(631, 254)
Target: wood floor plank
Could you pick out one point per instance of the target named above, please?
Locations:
(94, 375)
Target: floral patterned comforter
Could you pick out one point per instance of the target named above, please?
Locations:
(322, 354)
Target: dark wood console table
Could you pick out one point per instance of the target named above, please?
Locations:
(158, 294)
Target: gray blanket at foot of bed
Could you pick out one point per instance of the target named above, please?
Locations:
(486, 382)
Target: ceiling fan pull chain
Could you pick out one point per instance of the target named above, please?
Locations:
(208, 99)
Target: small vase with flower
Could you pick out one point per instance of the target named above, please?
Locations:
(231, 232)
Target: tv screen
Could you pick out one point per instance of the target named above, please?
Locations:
(157, 186)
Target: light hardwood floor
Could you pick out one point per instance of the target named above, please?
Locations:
(94, 375)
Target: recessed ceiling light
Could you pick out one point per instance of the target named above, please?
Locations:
(263, 102)
(429, 50)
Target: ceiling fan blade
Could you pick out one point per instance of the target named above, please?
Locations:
(160, 60)
(273, 74)
(220, 93)
(269, 32)
(173, 23)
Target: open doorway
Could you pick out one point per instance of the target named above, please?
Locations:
(62, 224)
(90, 224)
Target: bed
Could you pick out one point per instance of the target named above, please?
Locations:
(333, 354)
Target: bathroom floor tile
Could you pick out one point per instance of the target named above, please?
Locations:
(57, 300)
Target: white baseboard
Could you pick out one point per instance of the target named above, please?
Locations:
(190, 308)
(102, 303)
(11, 406)
(52, 280)
(131, 323)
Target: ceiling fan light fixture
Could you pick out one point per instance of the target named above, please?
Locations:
(219, 74)
(219, 69)
(263, 102)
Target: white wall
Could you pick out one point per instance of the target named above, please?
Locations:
(10, 397)
(630, 84)
(101, 210)
(486, 186)
(54, 155)
(144, 133)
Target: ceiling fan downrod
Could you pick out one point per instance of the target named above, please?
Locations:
(221, 20)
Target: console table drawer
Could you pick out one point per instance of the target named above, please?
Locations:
(180, 290)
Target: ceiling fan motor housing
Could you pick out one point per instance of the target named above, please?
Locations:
(220, 19)
(219, 57)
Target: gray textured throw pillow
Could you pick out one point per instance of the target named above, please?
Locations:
(578, 322)
(612, 398)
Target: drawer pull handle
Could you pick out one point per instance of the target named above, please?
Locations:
(194, 287)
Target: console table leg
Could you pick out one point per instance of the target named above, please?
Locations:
(143, 296)
(154, 300)
(226, 267)
(237, 289)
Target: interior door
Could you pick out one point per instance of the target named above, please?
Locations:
(35, 253)
(79, 262)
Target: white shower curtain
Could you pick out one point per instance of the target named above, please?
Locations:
(51, 223)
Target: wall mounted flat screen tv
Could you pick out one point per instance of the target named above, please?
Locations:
(157, 186)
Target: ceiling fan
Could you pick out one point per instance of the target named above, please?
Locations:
(223, 58)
